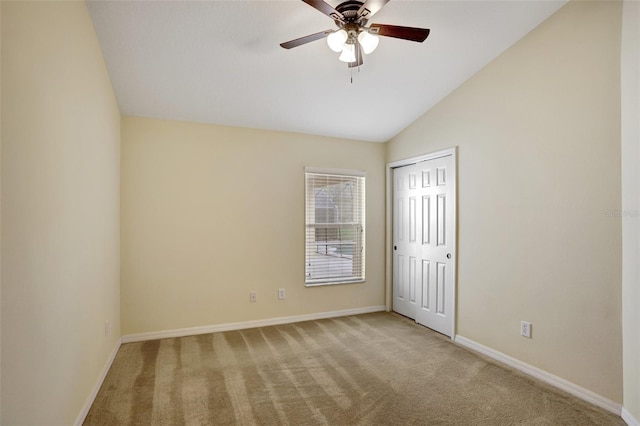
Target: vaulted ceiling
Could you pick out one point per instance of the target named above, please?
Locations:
(220, 62)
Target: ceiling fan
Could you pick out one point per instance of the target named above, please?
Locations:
(353, 37)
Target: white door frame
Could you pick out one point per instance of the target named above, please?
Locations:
(389, 224)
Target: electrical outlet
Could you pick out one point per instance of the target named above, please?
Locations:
(106, 328)
(281, 294)
(525, 329)
(252, 297)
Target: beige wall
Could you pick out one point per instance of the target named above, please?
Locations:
(631, 205)
(211, 213)
(0, 214)
(60, 212)
(538, 132)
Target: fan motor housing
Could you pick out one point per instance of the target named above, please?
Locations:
(349, 9)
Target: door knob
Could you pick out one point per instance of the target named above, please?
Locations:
(448, 255)
(395, 247)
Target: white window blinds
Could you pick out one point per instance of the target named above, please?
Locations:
(335, 227)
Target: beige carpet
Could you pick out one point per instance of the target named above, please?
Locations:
(375, 369)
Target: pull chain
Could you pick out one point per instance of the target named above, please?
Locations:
(351, 70)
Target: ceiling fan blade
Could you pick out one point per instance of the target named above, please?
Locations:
(359, 55)
(370, 8)
(325, 8)
(405, 33)
(306, 39)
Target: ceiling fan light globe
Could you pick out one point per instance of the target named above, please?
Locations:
(336, 40)
(368, 41)
(348, 53)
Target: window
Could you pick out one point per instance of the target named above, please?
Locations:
(335, 226)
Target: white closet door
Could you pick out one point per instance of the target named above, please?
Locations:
(406, 247)
(424, 243)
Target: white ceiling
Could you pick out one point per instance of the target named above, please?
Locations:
(220, 62)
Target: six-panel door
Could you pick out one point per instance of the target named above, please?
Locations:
(423, 229)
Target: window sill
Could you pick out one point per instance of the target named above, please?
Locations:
(325, 283)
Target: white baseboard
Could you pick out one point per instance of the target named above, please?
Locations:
(89, 402)
(559, 382)
(628, 418)
(181, 332)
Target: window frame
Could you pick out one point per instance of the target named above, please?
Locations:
(359, 223)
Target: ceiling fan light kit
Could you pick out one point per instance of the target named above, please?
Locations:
(348, 53)
(353, 37)
(368, 41)
(336, 40)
